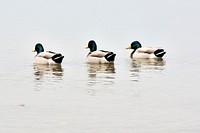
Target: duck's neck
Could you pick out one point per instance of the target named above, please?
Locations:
(132, 53)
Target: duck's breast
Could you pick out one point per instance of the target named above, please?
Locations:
(40, 60)
(143, 55)
(93, 59)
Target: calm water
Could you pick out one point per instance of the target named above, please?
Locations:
(128, 96)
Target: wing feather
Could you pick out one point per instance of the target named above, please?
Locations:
(46, 54)
(98, 54)
(147, 50)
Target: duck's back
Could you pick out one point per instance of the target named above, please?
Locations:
(148, 52)
(48, 57)
(145, 52)
(100, 56)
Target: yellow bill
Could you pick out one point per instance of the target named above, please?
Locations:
(129, 47)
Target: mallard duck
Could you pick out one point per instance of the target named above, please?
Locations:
(100, 56)
(46, 57)
(145, 52)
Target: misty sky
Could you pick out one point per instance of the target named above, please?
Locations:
(173, 24)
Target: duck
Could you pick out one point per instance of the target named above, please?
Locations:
(46, 57)
(98, 56)
(145, 52)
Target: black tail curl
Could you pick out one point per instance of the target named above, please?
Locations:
(110, 56)
(159, 53)
(57, 58)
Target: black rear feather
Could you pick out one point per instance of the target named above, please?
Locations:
(159, 53)
(110, 56)
(57, 58)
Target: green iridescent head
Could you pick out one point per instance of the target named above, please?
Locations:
(92, 46)
(38, 48)
(135, 45)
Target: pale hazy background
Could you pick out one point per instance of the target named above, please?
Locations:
(172, 24)
(128, 96)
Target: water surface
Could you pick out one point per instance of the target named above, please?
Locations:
(127, 96)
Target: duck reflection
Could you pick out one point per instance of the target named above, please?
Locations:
(156, 64)
(101, 74)
(139, 65)
(49, 70)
